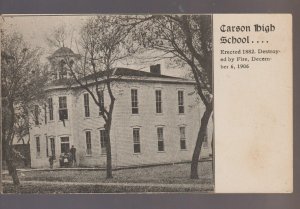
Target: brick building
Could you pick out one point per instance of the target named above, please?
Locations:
(156, 119)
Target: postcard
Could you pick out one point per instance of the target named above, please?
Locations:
(148, 103)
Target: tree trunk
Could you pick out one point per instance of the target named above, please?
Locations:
(108, 128)
(7, 137)
(108, 157)
(12, 170)
(201, 134)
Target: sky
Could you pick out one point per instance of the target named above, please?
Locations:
(36, 29)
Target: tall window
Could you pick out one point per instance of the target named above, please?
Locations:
(63, 110)
(65, 145)
(134, 101)
(38, 146)
(136, 140)
(180, 102)
(47, 150)
(86, 105)
(160, 137)
(62, 70)
(158, 101)
(52, 146)
(50, 108)
(182, 138)
(36, 114)
(101, 101)
(88, 140)
(103, 141)
(45, 110)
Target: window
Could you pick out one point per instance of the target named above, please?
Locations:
(63, 110)
(52, 146)
(86, 105)
(50, 108)
(36, 114)
(101, 101)
(136, 140)
(47, 150)
(180, 102)
(62, 63)
(71, 63)
(45, 110)
(63, 71)
(38, 146)
(103, 141)
(158, 101)
(160, 137)
(65, 144)
(88, 140)
(182, 138)
(134, 101)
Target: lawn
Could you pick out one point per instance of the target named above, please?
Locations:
(61, 189)
(164, 174)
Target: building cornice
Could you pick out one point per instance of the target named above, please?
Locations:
(180, 81)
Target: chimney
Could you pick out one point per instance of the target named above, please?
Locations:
(155, 69)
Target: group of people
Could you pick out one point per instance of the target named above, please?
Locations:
(67, 159)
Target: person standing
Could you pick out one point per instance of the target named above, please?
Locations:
(73, 156)
(51, 159)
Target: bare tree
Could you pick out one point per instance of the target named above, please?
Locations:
(62, 36)
(104, 43)
(21, 83)
(186, 40)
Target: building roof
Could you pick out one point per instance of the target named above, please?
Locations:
(124, 74)
(138, 73)
(63, 51)
(120, 71)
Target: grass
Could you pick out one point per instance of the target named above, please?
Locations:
(61, 189)
(165, 174)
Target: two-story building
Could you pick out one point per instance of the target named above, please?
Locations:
(156, 119)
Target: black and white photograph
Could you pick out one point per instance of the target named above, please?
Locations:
(107, 104)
